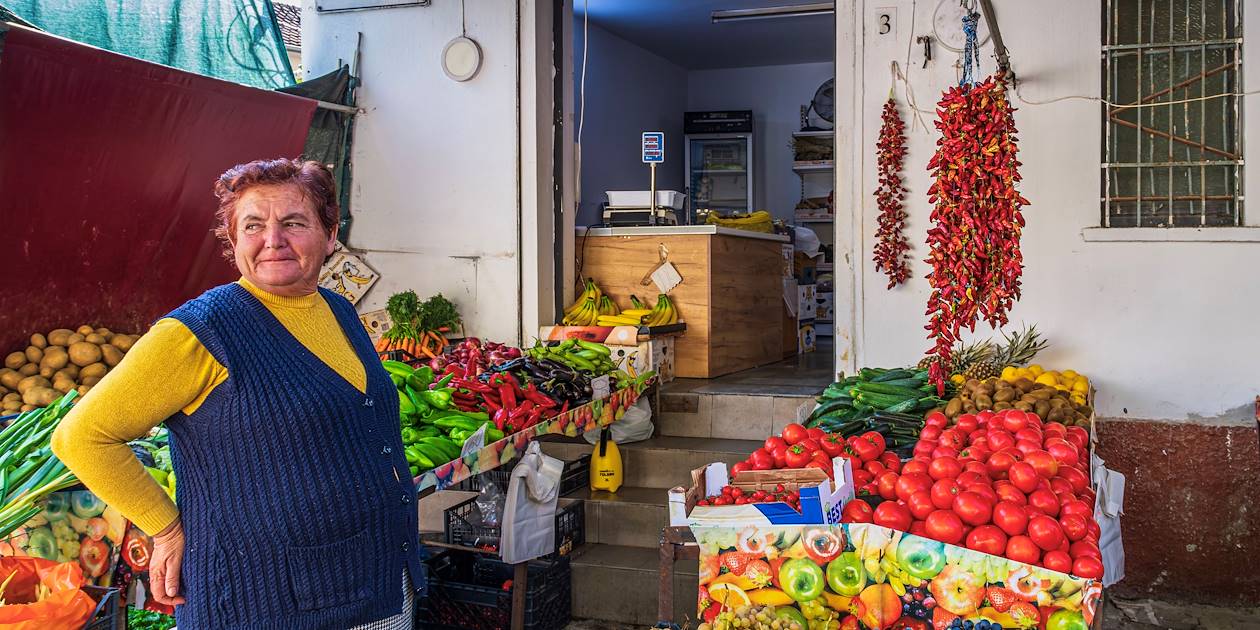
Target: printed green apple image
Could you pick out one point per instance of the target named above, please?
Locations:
(846, 575)
(921, 557)
(802, 580)
(1067, 620)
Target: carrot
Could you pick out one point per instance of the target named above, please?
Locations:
(382, 344)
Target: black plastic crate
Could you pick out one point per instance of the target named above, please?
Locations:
(462, 527)
(108, 615)
(466, 591)
(576, 475)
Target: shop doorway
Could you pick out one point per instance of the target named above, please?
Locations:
(743, 92)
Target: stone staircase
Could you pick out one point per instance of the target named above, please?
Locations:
(616, 574)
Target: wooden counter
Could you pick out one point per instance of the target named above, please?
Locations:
(731, 296)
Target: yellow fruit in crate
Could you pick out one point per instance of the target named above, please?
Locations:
(1080, 385)
(1046, 379)
(1062, 388)
(1069, 374)
(1077, 398)
(1036, 370)
(1010, 373)
(958, 379)
(1024, 373)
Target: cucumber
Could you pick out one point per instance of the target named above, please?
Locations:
(828, 407)
(892, 375)
(906, 405)
(883, 401)
(893, 390)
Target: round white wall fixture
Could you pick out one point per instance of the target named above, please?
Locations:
(461, 59)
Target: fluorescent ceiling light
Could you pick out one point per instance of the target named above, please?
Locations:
(766, 13)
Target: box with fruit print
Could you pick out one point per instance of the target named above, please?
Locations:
(864, 576)
(792, 496)
(75, 526)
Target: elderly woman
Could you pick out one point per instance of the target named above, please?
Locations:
(296, 509)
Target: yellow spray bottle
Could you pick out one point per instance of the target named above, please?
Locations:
(606, 463)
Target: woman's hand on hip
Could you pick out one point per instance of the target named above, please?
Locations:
(164, 568)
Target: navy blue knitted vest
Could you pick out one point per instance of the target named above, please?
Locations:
(296, 501)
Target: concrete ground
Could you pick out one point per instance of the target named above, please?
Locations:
(1122, 614)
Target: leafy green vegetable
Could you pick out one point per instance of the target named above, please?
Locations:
(438, 312)
(404, 310)
(138, 619)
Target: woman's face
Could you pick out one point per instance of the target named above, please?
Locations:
(279, 242)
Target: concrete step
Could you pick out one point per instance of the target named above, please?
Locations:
(632, 517)
(661, 462)
(619, 584)
(730, 416)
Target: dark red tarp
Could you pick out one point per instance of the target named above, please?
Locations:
(106, 167)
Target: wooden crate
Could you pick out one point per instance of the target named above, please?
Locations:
(730, 297)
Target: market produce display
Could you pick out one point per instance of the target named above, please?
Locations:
(28, 469)
(800, 447)
(154, 453)
(857, 575)
(891, 245)
(974, 242)
(56, 363)
(593, 308)
(71, 526)
(433, 429)
(138, 619)
(418, 326)
(1002, 483)
(985, 358)
(889, 401)
(1055, 403)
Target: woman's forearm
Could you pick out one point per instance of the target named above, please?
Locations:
(163, 373)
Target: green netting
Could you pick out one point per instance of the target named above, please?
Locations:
(328, 141)
(234, 40)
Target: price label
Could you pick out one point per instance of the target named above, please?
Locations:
(475, 442)
(600, 389)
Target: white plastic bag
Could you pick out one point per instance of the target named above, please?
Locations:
(1108, 508)
(635, 426)
(529, 515)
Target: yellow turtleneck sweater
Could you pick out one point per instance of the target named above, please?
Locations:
(168, 370)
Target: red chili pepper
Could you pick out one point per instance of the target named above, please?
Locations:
(890, 250)
(507, 396)
(491, 403)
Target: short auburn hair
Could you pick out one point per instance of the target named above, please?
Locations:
(315, 180)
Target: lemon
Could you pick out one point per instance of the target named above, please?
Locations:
(1062, 388)
(1070, 374)
(1081, 386)
(1036, 370)
(1024, 373)
(729, 596)
(1010, 373)
(1046, 379)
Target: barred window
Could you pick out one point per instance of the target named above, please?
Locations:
(1180, 164)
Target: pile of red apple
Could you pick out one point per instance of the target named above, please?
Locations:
(798, 447)
(1001, 483)
(731, 495)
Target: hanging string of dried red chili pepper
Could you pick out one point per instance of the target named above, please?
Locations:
(891, 245)
(974, 241)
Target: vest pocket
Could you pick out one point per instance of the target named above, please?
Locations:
(333, 574)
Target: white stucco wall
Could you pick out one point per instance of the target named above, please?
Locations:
(435, 193)
(1166, 330)
(775, 94)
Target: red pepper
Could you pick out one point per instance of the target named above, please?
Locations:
(534, 415)
(539, 398)
(500, 418)
(491, 403)
(507, 396)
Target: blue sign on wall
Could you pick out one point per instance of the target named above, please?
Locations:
(653, 147)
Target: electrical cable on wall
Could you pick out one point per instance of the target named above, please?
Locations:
(577, 153)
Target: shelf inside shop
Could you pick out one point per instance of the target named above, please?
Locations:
(815, 219)
(826, 133)
(729, 171)
(826, 266)
(813, 166)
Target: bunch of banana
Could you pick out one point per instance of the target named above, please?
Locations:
(575, 315)
(664, 313)
(628, 317)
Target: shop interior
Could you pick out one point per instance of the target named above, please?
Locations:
(743, 93)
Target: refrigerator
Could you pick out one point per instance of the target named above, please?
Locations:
(719, 162)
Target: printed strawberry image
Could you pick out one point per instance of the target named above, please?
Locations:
(1025, 614)
(1001, 598)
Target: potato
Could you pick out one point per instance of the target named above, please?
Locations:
(83, 389)
(34, 355)
(28, 369)
(55, 357)
(95, 338)
(15, 360)
(40, 396)
(58, 337)
(95, 370)
(46, 372)
(85, 330)
(12, 397)
(26, 408)
(12, 407)
(39, 341)
(10, 378)
(104, 332)
(122, 342)
(111, 355)
(64, 385)
(84, 353)
(32, 382)
(89, 380)
(71, 371)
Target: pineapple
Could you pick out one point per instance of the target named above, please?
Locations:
(1021, 347)
(972, 360)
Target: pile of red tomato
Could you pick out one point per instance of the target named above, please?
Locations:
(798, 447)
(732, 495)
(1002, 483)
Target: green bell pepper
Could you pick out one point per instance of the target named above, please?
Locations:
(446, 380)
(420, 379)
(436, 398)
(405, 406)
(410, 435)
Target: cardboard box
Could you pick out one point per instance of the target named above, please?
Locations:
(653, 354)
(789, 260)
(892, 560)
(825, 306)
(805, 268)
(806, 302)
(807, 338)
(75, 525)
(820, 504)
